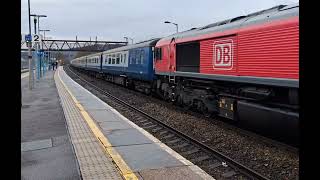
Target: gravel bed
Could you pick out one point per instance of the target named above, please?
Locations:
(270, 160)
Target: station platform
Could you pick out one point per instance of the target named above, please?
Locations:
(106, 145)
(46, 149)
(24, 74)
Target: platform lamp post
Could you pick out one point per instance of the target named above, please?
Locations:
(38, 16)
(35, 25)
(44, 38)
(29, 52)
(129, 38)
(167, 22)
(126, 39)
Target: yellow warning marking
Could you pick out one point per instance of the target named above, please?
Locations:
(126, 171)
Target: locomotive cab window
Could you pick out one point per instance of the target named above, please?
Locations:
(158, 54)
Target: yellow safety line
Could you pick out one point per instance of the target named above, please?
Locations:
(126, 171)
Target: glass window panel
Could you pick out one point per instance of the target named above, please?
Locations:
(132, 59)
(137, 57)
(118, 59)
(142, 57)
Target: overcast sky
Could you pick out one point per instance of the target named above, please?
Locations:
(138, 19)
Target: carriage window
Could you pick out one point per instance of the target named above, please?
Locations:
(113, 58)
(109, 59)
(142, 56)
(124, 57)
(118, 59)
(132, 59)
(121, 58)
(137, 57)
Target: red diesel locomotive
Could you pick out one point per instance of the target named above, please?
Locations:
(245, 69)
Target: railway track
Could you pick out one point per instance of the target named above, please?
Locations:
(213, 162)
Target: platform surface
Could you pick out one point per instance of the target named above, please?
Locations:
(46, 151)
(93, 161)
(145, 156)
(25, 74)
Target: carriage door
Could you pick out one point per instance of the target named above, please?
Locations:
(172, 63)
(101, 62)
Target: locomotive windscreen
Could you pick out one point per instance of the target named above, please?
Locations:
(188, 57)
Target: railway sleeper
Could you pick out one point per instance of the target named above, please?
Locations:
(149, 127)
(156, 129)
(189, 152)
(200, 159)
(163, 132)
(174, 141)
(229, 174)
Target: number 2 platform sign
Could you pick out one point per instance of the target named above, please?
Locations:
(35, 38)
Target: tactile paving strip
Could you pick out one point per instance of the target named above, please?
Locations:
(93, 162)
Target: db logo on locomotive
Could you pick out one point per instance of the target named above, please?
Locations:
(223, 54)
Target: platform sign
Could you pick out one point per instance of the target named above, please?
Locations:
(35, 38)
(25, 37)
(28, 37)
